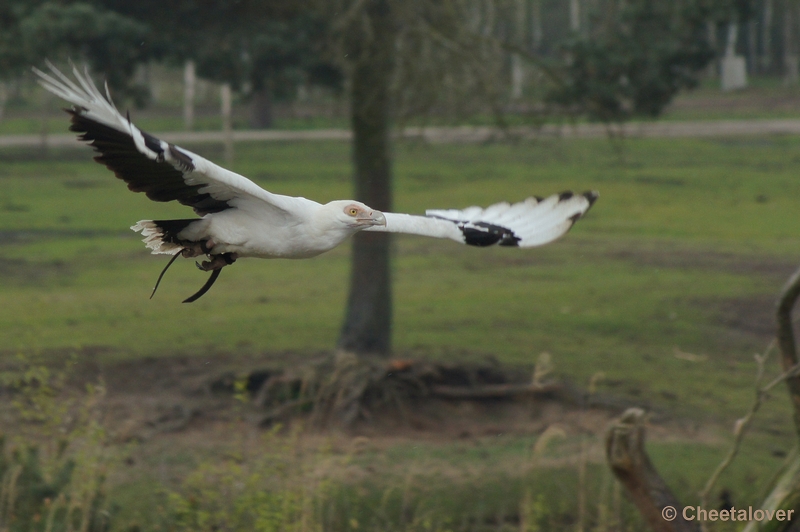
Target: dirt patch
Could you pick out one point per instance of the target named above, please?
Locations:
(753, 316)
(27, 236)
(682, 258)
(167, 415)
(147, 399)
(22, 271)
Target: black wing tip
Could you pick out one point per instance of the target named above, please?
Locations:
(564, 196)
(591, 196)
(482, 234)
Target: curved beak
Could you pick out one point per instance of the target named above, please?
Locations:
(373, 218)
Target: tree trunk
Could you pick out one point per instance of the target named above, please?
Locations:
(189, 89)
(537, 32)
(227, 129)
(261, 108)
(367, 326)
(3, 99)
(785, 495)
(790, 60)
(752, 47)
(520, 37)
(786, 341)
(574, 15)
(713, 65)
(766, 38)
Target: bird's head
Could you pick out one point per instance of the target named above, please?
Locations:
(354, 214)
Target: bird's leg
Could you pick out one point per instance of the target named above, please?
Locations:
(217, 261)
(196, 249)
(215, 266)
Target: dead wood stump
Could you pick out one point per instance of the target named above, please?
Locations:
(628, 460)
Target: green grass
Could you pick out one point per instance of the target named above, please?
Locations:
(689, 243)
(683, 229)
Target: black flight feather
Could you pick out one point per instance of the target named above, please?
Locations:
(160, 181)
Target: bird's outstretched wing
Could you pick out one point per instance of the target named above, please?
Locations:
(529, 223)
(163, 171)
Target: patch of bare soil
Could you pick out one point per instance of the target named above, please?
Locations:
(189, 398)
(155, 398)
(181, 411)
(681, 258)
(25, 272)
(753, 317)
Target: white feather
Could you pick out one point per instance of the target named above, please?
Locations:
(531, 221)
(247, 220)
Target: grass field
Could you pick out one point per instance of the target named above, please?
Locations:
(685, 233)
(666, 287)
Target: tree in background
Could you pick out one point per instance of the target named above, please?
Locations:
(404, 59)
(109, 42)
(286, 55)
(633, 60)
(264, 50)
(12, 56)
(368, 42)
(457, 58)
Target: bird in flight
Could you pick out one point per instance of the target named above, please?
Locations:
(238, 219)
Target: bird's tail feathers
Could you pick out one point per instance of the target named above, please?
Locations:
(161, 236)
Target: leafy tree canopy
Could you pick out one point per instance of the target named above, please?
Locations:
(248, 44)
(109, 42)
(636, 60)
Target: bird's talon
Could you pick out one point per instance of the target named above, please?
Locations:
(193, 249)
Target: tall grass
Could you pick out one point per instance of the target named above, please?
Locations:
(57, 456)
(282, 488)
(53, 455)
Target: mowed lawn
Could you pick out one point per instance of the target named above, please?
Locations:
(666, 287)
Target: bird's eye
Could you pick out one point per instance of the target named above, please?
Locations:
(352, 211)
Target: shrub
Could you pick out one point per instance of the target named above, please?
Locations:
(52, 466)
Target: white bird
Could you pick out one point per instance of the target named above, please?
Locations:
(240, 219)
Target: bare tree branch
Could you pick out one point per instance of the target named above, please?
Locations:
(629, 462)
(786, 340)
(785, 495)
(743, 424)
(786, 492)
